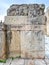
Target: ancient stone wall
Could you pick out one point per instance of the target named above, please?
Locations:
(2, 41)
(27, 25)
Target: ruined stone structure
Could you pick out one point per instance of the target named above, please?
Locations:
(26, 26)
(2, 41)
(47, 15)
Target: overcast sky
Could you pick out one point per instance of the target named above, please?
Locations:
(5, 4)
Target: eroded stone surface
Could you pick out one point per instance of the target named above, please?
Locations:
(25, 20)
(32, 43)
(2, 42)
(29, 62)
(26, 10)
(27, 25)
(13, 38)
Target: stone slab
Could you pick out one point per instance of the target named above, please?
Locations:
(18, 61)
(31, 44)
(13, 42)
(40, 62)
(2, 45)
(2, 41)
(21, 20)
(15, 20)
(29, 62)
(39, 20)
(27, 27)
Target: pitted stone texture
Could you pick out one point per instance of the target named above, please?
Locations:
(2, 42)
(32, 43)
(26, 10)
(39, 20)
(23, 10)
(16, 20)
(29, 62)
(13, 10)
(26, 27)
(35, 10)
(35, 62)
(21, 20)
(13, 42)
(18, 61)
(40, 62)
(17, 10)
(26, 32)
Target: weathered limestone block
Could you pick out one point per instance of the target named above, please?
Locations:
(31, 35)
(40, 62)
(26, 41)
(32, 43)
(36, 10)
(2, 41)
(21, 20)
(29, 62)
(13, 10)
(39, 27)
(23, 10)
(13, 42)
(26, 9)
(26, 27)
(39, 20)
(18, 61)
(17, 10)
(25, 34)
(35, 62)
(16, 20)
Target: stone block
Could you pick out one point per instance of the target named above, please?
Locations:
(26, 26)
(23, 10)
(26, 10)
(13, 42)
(22, 20)
(39, 20)
(40, 62)
(31, 41)
(13, 10)
(2, 42)
(18, 61)
(16, 20)
(29, 62)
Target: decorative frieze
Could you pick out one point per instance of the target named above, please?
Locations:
(26, 10)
